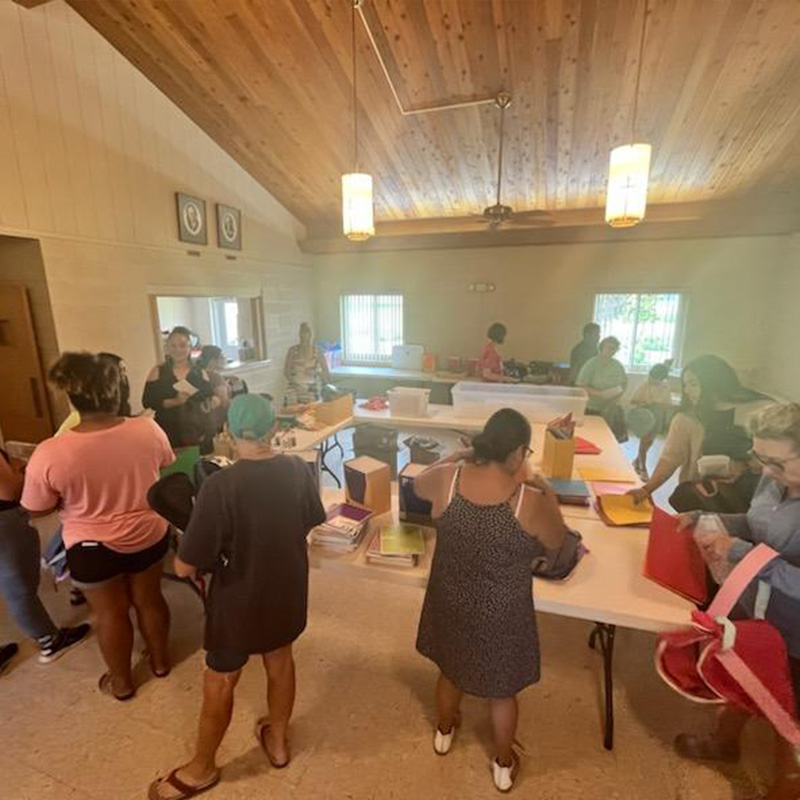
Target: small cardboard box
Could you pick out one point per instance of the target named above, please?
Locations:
(313, 460)
(368, 483)
(334, 411)
(558, 457)
(412, 509)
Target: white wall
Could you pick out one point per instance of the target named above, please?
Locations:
(782, 353)
(545, 293)
(91, 154)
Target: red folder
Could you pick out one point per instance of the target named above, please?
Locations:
(583, 447)
(674, 560)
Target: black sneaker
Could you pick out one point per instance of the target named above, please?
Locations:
(55, 646)
(7, 652)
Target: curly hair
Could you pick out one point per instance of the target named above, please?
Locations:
(778, 421)
(91, 382)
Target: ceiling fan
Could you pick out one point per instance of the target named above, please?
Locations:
(498, 215)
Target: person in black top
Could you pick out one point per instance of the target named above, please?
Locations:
(584, 350)
(183, 415)
(19, 575)
(248, 528)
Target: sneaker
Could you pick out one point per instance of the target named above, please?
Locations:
(7, 652)
(53, 647)
(442, 742)
(504, 777)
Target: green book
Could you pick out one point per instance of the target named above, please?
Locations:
(402, 540)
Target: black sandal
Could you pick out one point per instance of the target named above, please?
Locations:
(262, 728)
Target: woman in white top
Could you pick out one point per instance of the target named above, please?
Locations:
(305, 370)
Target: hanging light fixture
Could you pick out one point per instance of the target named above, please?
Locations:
(629, 166)
(357, 214)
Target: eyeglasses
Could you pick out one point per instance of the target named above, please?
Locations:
(774, 463)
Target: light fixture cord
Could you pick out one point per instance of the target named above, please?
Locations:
(639, 74)
(355, 90)
(500, 152)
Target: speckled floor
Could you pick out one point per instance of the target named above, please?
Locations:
(364, 716)
(363, 720)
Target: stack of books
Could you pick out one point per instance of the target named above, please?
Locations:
(399, 545)
(343, 530)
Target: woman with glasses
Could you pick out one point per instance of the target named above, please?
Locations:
(773, 519)
(477, 623)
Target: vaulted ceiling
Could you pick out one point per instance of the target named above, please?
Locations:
(271, 82)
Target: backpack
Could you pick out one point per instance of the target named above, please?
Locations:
(744, 663)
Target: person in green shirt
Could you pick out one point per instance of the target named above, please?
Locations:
(605, 381)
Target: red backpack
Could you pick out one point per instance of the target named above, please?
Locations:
(744, 663)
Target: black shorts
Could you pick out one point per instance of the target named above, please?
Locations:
(91, 564)
(224, 660)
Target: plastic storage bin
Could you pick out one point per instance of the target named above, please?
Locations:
(537, 403)
(408, 402)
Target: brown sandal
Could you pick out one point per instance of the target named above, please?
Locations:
(185, 790)
(106, 687)
(262, 729)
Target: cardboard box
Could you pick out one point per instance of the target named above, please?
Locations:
(334, 411)
(558, 457)
(412, 509)
(368, 483)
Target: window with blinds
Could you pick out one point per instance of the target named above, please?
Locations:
(648, 326)
(372, 324)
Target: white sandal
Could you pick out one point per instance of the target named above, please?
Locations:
(442, 742)
(504, 777)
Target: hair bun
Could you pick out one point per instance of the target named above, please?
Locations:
(483, 448)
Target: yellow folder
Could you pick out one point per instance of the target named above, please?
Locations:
(621, 510)
(605, 474)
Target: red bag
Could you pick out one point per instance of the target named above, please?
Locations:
(744, 663)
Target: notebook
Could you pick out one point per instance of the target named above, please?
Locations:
(574, 493)
(621, 510)
(402, 540)
(673, 559)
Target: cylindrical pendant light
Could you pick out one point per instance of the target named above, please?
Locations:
(357, 210)
(629, 165)
(626, 196)
(357, 218)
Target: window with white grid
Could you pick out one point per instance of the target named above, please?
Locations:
(648, 326)
(372, 324)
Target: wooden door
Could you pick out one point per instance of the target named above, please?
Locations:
(24, 409)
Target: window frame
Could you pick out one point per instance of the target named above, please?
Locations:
(681, 320)
(256, 311)
(374, 360)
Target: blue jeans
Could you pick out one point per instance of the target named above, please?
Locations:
(19, 574)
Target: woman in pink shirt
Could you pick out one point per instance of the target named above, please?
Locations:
(97, 476)
(490, 362)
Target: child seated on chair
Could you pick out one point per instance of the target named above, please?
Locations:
(654, 396)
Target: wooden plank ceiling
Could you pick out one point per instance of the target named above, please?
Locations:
(270, 81)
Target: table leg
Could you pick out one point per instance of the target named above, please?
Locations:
(324, 450)
(605, 635)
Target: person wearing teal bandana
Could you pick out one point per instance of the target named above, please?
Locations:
(248, 528)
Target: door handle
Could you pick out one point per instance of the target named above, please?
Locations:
(37, 398)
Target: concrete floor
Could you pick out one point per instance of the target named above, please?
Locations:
(364, 717)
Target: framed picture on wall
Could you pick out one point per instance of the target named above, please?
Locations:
(192, 226)
(229, 227)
